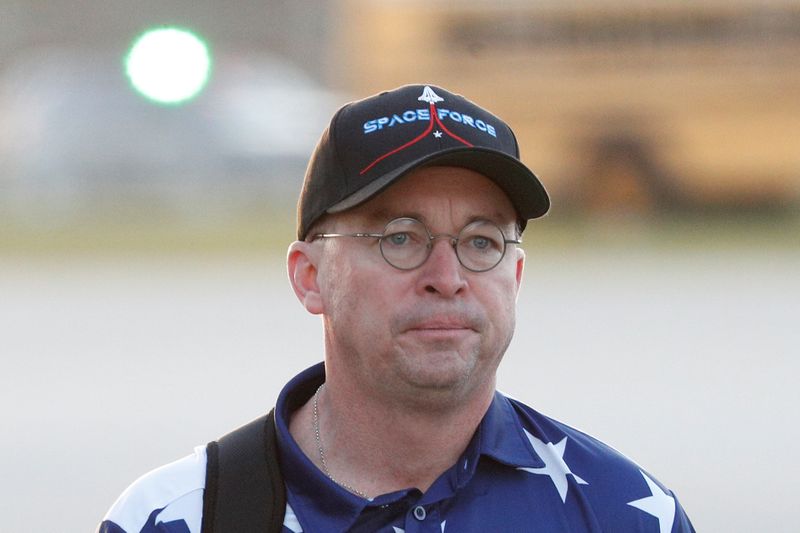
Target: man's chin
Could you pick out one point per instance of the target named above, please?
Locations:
(438, 371)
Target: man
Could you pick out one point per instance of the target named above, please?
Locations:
(409, 223)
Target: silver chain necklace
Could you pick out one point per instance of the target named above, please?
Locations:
(322, 451)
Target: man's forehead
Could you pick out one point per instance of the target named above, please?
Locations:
(384, 214)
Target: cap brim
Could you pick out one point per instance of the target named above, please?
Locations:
(522, 187)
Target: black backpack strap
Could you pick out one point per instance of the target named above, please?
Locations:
(244, 490)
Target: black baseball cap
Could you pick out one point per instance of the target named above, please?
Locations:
(371, 143)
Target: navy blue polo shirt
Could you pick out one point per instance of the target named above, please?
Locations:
(521, 471)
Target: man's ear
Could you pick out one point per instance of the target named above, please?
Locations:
(302, 263)
(520, 265)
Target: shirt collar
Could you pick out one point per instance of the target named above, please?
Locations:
(501, 436)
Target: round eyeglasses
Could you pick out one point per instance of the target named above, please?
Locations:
(406, 243)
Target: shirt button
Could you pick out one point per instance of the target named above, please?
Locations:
(419, 513)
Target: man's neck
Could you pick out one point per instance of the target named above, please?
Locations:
(380, 447)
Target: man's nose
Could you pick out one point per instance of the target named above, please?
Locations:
(442, 272)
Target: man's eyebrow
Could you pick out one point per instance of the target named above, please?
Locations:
(384, 215)
(497, 217)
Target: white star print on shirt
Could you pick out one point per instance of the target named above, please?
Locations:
(437, 134)
(659, 504)
(554, 465)
(290, 520)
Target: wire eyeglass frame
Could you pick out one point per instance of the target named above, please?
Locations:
(424, 247)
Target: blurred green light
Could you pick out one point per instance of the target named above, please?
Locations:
(168, 65)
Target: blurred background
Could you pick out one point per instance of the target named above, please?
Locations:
(147, 190)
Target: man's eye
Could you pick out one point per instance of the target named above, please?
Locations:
(481, 243)
(398, 239)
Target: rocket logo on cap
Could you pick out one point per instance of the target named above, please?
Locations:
(431, 97)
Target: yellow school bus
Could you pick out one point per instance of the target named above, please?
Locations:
(634, 106)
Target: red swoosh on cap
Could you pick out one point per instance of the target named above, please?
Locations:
(434, 116)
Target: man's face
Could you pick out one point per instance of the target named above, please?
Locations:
(433, 334)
